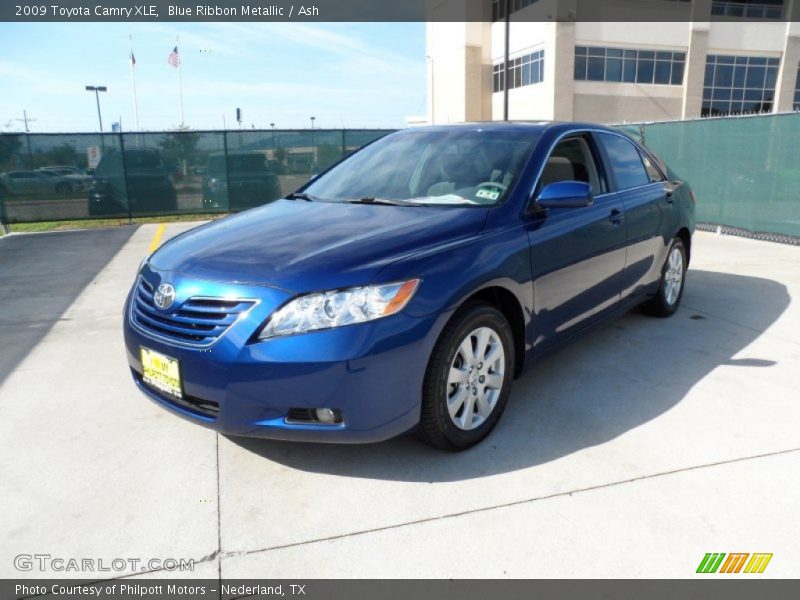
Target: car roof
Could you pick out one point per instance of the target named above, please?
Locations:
(513, 126)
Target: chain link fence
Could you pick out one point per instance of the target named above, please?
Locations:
(743, 170)
(54, 177)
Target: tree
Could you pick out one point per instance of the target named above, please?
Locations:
(9, 146)
(65, 154)
(327, 154)
(180, 147)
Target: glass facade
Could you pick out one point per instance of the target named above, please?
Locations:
(594, 63)
(797, 91)
(499, 7)
(739, 84)
(751, 9)
(523, 70)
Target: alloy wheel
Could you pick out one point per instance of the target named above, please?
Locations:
(673, 277)
(476, 378)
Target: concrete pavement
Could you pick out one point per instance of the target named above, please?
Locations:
(631, 453)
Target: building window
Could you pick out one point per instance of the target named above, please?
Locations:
(797, 90)
(498, 78)
(524, 70)
(739, 84)
(499, 7)
(751, 9)
(594, 63)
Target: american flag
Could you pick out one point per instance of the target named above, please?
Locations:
(174, 59)
(133, 59)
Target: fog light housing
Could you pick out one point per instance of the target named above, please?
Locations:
(321, 416)
(329, 416)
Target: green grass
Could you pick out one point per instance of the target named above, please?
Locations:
(95, 223)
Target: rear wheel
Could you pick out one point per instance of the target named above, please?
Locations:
(468, 379)
(670, 288)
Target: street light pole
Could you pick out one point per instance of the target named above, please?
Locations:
(433, 91)
(506, 61)
(97, 89)
(313, 146)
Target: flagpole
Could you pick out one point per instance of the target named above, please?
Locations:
(180, 79)
(133, 79)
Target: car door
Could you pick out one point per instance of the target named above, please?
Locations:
(645, 195)
(18, 182)
(577, 254)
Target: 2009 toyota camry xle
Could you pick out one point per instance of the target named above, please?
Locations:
(408, 285)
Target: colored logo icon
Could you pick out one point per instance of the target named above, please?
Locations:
(719, 562)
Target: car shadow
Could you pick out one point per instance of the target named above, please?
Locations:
(41, 275)
(616, 378)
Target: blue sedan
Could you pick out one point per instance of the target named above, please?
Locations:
(408, 285)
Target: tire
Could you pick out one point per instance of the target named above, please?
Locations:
(667, 299)
(62, 188)
(482, 386)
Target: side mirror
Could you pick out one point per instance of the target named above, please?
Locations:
(565, 194)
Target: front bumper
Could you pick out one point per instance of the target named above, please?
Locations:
(372, 372)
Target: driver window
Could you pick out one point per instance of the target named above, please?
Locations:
(571, 160)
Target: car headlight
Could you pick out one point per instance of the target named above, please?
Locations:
(342, 307)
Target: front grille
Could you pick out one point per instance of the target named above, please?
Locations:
(206, 408)
(198, 322)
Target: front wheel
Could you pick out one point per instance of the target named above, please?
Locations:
(670, 287)
(468, 379)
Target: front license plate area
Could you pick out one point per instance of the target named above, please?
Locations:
(161, 372)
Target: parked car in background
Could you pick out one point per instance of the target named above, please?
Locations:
(140, 185)
(31, 182)
(244, 180)
(73, 178)
(64, 184)
(408, 285)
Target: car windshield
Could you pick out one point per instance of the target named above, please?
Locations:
(444, 168)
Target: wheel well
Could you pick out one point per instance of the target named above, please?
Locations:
(686, 237)
(506, 302)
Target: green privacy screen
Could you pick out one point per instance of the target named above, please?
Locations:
(745, 171)
(62, 176)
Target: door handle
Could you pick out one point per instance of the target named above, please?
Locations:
(616, 217)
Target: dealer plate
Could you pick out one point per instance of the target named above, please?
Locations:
(161, 372)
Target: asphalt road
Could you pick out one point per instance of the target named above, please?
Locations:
(630, 454)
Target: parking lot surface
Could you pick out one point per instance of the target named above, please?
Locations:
(631, 453)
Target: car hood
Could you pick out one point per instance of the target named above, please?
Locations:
(305, 246)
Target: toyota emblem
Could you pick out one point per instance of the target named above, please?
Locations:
(164, 296)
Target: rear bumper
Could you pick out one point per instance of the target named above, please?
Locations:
(372, 372)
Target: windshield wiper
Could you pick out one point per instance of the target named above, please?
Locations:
(383, 201)
(301, 196)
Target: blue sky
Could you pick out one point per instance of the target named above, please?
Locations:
(351, 74)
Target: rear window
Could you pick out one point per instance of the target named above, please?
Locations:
(236, 163)
(242, 163)
(142, 160)
(626, 162)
